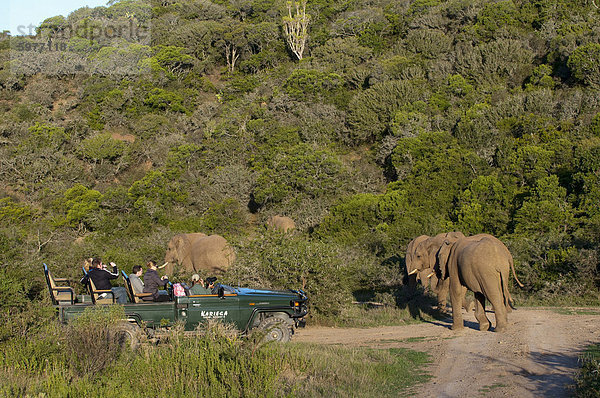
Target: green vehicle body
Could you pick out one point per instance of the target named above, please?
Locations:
(243, 307)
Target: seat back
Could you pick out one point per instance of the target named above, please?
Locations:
(129, 288)
(100, 296)
(135, 297)
(60, 295)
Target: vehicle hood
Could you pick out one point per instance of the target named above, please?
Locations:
(264, 292)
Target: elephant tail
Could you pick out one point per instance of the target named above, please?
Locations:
(508, 302)
(512, 267)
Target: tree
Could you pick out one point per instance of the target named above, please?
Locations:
(295, 27)
(584, 64)
(234, 43)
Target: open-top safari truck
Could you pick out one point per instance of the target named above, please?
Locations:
(277, 312)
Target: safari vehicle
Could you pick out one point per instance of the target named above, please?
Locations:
(277, 312)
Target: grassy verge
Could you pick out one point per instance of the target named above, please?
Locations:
(390, 309)
(54, 363)
(587, 382)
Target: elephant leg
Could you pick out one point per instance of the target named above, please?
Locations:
(500, 312)
(468, 304)
(484, 322)
(456, 298)
(442, 288)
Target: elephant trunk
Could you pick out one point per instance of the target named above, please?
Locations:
(169, 266)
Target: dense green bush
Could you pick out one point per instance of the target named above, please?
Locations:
(584, 64)
(294, 173)
(101, 147)
(372, 110)
(328, 273)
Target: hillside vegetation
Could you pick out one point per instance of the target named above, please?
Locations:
(398, 118)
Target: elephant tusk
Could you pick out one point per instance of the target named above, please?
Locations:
(164, 265)
(414, 271)
(430, 275)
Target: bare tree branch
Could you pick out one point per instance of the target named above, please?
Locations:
(295, 27)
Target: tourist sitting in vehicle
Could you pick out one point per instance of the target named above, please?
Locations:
(102, 277)
(135, 279)
(210, 284)
(152, 282)
(198, 286)
(87, 264)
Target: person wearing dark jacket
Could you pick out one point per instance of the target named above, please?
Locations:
(152, 282)
(102, 277)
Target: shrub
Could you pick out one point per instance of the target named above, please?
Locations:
(15, 213)
(101, 147)
(584, 63)
(530, 163)
(45, 135)
(340, 55)
(546, 211)
(90, 342)
(81, 205)
(162, 99)
(227, 218)
(371, 111)
(348, 221)
(153, 192)
(541, 78)
(430, 43)
(305, 84)
(484, 207)
(587, 381)
(298, 171)
(328, 273)
(495, 16)
(179, 159)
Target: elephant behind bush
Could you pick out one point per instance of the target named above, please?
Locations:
(196, 251)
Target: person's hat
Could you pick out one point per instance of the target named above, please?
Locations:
(195, 277)
(211, 280)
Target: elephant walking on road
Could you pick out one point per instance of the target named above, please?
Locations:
(480, 263)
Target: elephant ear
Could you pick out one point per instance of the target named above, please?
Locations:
(180, 243)
(442, 258)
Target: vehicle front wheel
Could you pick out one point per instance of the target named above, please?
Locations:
(276, 329)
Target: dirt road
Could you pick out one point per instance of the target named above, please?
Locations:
(536, 357)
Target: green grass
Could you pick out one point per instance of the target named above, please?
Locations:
(494, 386)
(217, 364)
(587, 382)
(406, 310)
(577, 311)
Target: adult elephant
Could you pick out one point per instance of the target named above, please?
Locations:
(481, 264)
(196, 251)
(411, 270)
(423, 263)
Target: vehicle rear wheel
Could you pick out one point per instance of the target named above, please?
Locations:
(128, 334)
(276, 329)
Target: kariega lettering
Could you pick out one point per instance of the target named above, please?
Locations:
(213, 314)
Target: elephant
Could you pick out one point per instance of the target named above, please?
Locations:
(481, 264)
(413, 273)
(421, 261)
(280, 223)
(197, 251)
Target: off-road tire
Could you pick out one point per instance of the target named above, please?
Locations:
(276, 329)
(128, 335)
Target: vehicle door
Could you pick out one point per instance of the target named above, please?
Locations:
(202, 308)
